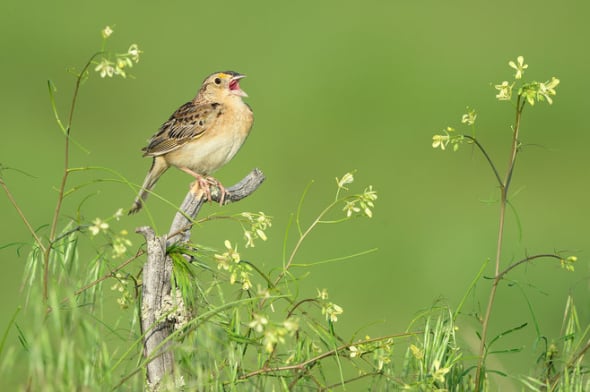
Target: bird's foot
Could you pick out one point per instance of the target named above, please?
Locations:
(203, 184)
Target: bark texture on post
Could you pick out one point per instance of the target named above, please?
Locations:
(157, 273)
(156, 285)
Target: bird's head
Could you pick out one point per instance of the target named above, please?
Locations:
(223, 84)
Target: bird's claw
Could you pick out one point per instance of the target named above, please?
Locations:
(204, 184)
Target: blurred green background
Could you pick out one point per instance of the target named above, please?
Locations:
(335, 86)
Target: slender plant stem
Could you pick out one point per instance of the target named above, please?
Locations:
(526, 260)
(64, 178)
(515, 142)
(504, 186)
(497, 277)
(22, 215)
(310, 362)
(485, 154)
(302, 237)
(106, 276)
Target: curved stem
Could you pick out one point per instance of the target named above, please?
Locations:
(64, 178)
(485, 154)
(526, 260)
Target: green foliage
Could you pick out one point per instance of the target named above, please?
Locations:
(435, 361)
(238, 326)
(253, 329)
(68, 342)
(527, 93)
(561, 365)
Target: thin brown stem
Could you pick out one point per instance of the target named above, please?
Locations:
(515, 142)
(110, 274)
(64, 179)
(22, 215)
(485, 154)
(486, 319)
(300, 303)
(504, 186)
(526, 260)
(312, 361)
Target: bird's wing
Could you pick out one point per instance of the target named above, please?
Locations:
(189, 122)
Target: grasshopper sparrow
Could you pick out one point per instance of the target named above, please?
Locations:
(202, 135)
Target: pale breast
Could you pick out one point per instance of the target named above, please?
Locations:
(219, 144)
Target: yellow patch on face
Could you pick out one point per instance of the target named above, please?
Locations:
(222, 75)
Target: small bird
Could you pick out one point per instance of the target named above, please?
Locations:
(202, 135)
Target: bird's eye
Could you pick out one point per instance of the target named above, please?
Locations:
(217, 81)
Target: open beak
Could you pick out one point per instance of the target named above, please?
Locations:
(234, 86)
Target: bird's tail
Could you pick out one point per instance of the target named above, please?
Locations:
(159, 166)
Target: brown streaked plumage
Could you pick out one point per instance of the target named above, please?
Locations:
(202, 135)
